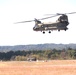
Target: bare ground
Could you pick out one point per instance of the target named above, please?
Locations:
(53, 67)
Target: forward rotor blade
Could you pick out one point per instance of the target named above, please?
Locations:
(24, 21)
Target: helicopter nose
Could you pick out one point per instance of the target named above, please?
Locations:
(34, 28)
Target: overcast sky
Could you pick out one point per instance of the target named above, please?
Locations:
(12, 11)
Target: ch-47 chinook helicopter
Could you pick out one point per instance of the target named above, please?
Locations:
(60, 24)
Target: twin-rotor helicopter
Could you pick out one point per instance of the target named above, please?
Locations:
(60, 24)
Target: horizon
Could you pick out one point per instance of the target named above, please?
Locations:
(39, 44)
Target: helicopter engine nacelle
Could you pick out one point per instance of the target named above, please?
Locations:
(63, 19)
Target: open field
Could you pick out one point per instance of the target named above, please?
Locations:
(53, 67)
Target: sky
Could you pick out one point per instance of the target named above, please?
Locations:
(12, 11)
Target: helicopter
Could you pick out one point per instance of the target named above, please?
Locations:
(60, 24)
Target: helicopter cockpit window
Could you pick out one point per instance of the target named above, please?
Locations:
(36, 26)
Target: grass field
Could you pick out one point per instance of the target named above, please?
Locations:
(53, 67)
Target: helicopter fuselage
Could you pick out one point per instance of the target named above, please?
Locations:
(50, 26)
(60, 24)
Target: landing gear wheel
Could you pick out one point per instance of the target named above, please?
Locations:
(65, 29)
(58, 29)
(49, 31)
(43, 32)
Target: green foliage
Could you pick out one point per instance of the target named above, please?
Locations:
(39, 54)
(20, 58)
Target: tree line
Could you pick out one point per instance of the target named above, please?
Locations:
(38, 55)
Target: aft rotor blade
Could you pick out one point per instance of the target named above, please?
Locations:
(61, 13)
(66, 13)
(47, 17)
(71, 13)
(54, 14)
(49, 14)
(24, 21)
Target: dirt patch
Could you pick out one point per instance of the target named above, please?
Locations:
(53, 67)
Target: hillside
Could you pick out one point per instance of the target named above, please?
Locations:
(37, 47)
